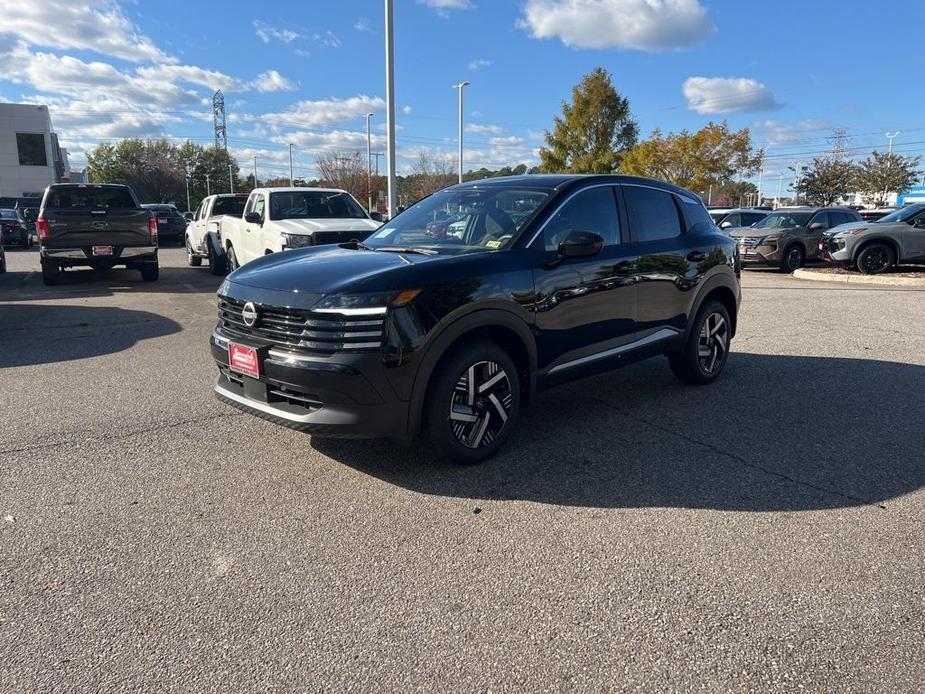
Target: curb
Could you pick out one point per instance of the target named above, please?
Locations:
(804, 274)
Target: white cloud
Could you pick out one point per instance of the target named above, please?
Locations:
(267, 33)
(443, 5)
(406, 110)
(777, 133)
(483, 129)
(325, 112)
(92, 25)
(272, 81)
(363, 24)
(191, 74)
(727, 95)
(327, 38)
(480, 63)
(336, 140)
(512, 141)
(648, 25)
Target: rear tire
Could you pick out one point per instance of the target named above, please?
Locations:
(192, 259)
(706, 350)
(2, 262)
(51, 273)
(150, 271)
(472, 403)
(217, 266)
(875, 258)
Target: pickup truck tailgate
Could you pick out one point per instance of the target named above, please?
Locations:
(73, 228)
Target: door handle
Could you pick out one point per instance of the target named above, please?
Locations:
(696, 256)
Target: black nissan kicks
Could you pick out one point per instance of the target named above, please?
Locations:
(457, 312)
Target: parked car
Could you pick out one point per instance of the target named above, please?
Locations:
(280, 219)
(14, 229)
(876, 213)
(877, 246)
(171, 227)
(202, 238)
(451, 333)
(2, 256)
(790, 236)
(740, 217)
(95, 225)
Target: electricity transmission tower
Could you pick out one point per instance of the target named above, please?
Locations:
(218, 117)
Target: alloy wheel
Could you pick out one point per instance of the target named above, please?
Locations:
(481, 404)
(713, 345)
(794, 259)
(876, 260)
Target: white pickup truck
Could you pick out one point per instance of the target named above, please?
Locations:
(279, 219)
(199, 243)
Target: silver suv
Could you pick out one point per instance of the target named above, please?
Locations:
(789, 236)
(877, 246)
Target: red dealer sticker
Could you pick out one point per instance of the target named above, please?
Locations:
(243, 359)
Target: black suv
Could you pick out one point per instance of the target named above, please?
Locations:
(95, 225)
(459, 310)
(171, 226)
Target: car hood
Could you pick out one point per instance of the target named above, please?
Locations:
(752, 233)
(851, 227)
(309, 226)
(326, 269)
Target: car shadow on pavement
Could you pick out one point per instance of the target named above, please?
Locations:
(44, 334)
(85, 282)
(775, 433)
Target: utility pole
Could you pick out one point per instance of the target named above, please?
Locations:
(291, 180)
(780, 189)
(761, 173)
(891, 137)
(390, 105)
(230, 179)
(369, 166)
(461, 86)
(187, 191)
(797, 171)
(255, 171)
(208, 189)
(710, 196)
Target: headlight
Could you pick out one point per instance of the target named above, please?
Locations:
(296, 240)
(855, 232)
(767, 241)
(366, 304)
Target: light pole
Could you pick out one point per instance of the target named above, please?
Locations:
(208, 189)
(291, 180)
(255, 171)
(230, 178)
(390, 105)
(891, 137)
(187, 191)
(780, 189)
(761, 172)
(369, 166)
(461, 86)
(797, 170)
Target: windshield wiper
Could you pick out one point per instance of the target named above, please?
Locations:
(403, 249)
(357, 246)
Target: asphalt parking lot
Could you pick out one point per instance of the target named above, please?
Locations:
(765, 533)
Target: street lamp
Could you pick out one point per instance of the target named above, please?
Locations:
(291, 183)
(208, 189)
(390, 105)
(461, 86)
(369, 165)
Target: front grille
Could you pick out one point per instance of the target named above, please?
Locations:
(747, 241)
(305, 331)
(320, 238)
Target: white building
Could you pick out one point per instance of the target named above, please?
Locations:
(30, 158)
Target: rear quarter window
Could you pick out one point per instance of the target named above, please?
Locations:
(698, 219)
(89, 198)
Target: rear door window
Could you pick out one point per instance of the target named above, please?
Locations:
(652, 213)
(89, 198)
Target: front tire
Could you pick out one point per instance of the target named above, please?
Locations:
(2, 262)
(231, 259)
(472, 403)
(706, 350)
(794, 258)
(192, 259)
(876, 258)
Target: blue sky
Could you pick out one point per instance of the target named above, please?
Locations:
(306, 72)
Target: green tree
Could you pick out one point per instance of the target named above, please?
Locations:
(881, 174)
(594, 130)
(712, 156)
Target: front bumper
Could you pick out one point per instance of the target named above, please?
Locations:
(347, 398)
(764, 254)
(830, 251)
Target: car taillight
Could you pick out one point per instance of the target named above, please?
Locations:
(41, 226)
(152, 229)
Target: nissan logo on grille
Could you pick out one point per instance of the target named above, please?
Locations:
(249, 314)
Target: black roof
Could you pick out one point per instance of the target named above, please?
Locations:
(558, 181)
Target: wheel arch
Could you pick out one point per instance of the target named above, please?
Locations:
(886, 240)
(499, 326)
(722, 288)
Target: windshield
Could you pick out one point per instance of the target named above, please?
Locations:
(784, 220)
(314, 204)
(232, 206)
(460, 219)
(8, 214)
(902, 215)
(718, 216)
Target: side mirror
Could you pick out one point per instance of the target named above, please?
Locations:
(919, 223)
(580, 244)
(375, 216)
(725, 225)
(816, 226)
(253, 218)
(188, 216)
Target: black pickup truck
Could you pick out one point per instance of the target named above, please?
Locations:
(95, 225)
